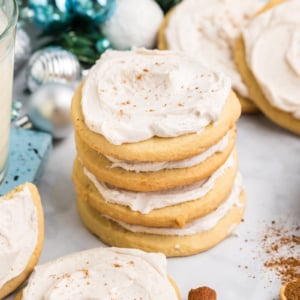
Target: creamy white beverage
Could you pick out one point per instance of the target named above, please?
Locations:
(6, 78)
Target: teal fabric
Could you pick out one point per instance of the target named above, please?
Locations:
(28, 153)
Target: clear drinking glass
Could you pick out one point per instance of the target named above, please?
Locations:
(8, 20)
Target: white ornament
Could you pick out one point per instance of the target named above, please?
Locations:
(135, 23)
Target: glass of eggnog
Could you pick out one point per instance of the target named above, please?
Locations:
(8, 20)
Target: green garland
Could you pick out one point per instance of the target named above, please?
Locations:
(81, 36)
(166, 5)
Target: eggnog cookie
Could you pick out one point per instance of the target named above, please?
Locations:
(153, 106)
(195, 237)
(102, 273)
(272, 74)
(151, 176)
(21, 236)
(169, 208)
(207, 31)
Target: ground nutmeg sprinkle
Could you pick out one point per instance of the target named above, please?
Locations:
(282, 248)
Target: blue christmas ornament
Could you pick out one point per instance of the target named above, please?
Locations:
(97, 10)
(50, 14)
(103, 44)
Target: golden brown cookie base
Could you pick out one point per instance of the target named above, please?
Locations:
(283, 119)
(19, 295)
(113, 234)
(248, 107)
(100, 166)
(161, 38)
(158, 149)
(14, 283)
(172, 216)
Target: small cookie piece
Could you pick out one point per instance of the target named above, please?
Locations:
(202, 293)
(290, 290)
(21, 236)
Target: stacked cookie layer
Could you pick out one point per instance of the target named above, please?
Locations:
(156, 167)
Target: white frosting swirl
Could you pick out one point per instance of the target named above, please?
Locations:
(131, 96)
(18, 234)
(102, 273)
(272, 42)
(206, 30)
(145, 202)
(137, 166)
(199, 225)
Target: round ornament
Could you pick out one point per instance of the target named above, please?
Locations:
(16, 107)
(103, 44)
(49, 109)
(22, 48)
(50, 14)
(52, 64)
(134, 23)
(97, 10)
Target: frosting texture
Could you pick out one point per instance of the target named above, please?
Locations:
(272, 42)
(206, 30)
(131, 96)
(102, 273)
(179, 164)
(145, 202)
(199, 225)
(18, 234)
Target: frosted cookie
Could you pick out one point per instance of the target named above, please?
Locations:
(207, 31)
(153, 106)
(102, 273)
(272, 73)
(154, 176)
(168, 208)
(21, 236)
(195, 237)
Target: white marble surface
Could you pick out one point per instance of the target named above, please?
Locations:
(270, 165)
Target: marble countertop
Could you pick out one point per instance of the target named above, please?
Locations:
(270, 165)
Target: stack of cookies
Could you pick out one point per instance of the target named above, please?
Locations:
(156, 166)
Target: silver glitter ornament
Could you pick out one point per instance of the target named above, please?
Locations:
(53, 64)
(49, 109)
(22, 48)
